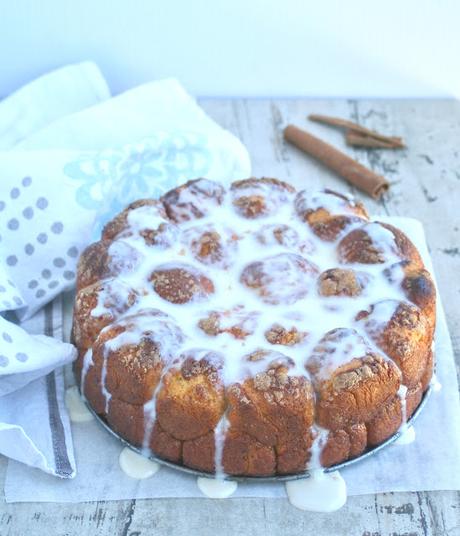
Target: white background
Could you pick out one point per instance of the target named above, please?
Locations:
(242, 47)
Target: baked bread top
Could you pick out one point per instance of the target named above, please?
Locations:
(254, 311)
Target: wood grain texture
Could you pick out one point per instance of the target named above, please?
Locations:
(425, 184)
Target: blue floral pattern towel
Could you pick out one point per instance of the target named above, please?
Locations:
(111, 179)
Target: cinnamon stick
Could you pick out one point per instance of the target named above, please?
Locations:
(394, 141)
(351, 170)
(355, 139)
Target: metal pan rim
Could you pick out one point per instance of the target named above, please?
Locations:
(275, 478)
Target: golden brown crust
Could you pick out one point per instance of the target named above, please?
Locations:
(359, 246)
(192, 200)
(105, 259)
(165, 445)
(191, 402)
(331, 227)
(133, 372)
(406, 338)
(210, 247)
(244, 455)
(199, 453)
(236, 323)
(180, 284)
(119, 227)
(127, 420)
(132, 369)
(329, 217)
(428, 372)
(356, 395)
(276, 410)
(256, 198)
(420, 290)
(117, 299)
(390, 417)
(344, 444)
(341, 282)
(405, 247)
(270, 182)
(351, 389)
(282, 279)
(92, 264)
(278, 334)
(92, 387)
(418, 286)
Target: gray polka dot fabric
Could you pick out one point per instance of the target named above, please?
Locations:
(43, 230)
(23, 353)
(28, 213)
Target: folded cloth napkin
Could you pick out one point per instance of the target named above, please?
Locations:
(34, 426)
(50, 97)
(59, 185)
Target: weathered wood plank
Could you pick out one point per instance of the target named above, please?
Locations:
(394, 514)
(425, 182)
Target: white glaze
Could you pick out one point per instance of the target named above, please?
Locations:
(78, 412)
(105, 392)
(87, 363)
(309, 312)
(378, 318)
(339, 350)
(407, 432)
(407, 435)
(384, 239)
(402, 394)
(219, 437)
(138, 217)
(436, 386)
(334, 204)
(150, 413)
(118, 293)
(216, 488)
(320, 439)
(136, 466)
(320, 492)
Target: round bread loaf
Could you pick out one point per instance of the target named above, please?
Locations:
(253, 331)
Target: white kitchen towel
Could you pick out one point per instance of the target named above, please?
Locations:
(141, 112)
(26, 356)
(34, 425)
(431, 462)
(54, 95)
(89, 165)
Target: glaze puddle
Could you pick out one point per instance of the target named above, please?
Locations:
(321, 492)
(136, 466)
(216, 488)
(407, 436)
(78, 412)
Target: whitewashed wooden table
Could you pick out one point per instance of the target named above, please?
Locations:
(425, 184)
